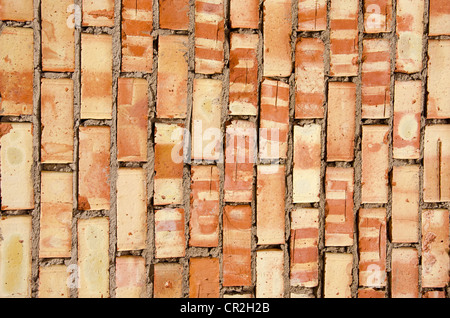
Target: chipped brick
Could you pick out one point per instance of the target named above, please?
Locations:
(312, 15)
(53, 281)
(438, 105)
(338, 275)
(377, 16)
(174, 14)
(405, 273)
(169, 233)
(244, 14)
(98, 13)
(130, 277)
(269, 273)
(168, 280)
(204, 277)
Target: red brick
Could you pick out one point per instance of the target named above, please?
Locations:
(53, 281)
(130, 277)
(168, 280)
(341, 121)
(269, 273)
(377, 16)
(17, 10)
(204, 277)
(371, 293)
(132, 119)
(174, 14)
(312, 15)
(169, 233)
(237, 244)
(309, 78)
(434, 294)
(98, 13)
(338, 275)
(405, 273)
(16, 71)
(439, 17)
(244, 14)
(277, 38)
(438, 105)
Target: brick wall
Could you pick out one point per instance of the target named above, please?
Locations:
(222, 148)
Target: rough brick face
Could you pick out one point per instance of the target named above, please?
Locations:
(168, 280)
(439, 17)
(174, 14)
(130, 277)
(438, 86)
(377, 16)
(169, 233)
(405, 273)
(269, 273)
(312, 15)
(17, 10)
(98, 13)
(53, 282)
(338, 275)
(244, 14)
(204, 277)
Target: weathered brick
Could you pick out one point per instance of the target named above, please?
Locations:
(204, 277)
(53, 281)
(371, 293)
(98, 13)
(244, 14)
(312, 15)
(269, 273)
(438, 105)
(169, 233)
(17, 10)
(130, 277)
(439, 17)
(174, 14)
(434, 294)
(405, 273)
(377, 16)
(338, 275)
(168, 280)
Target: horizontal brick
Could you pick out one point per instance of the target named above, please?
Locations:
(98, 13)
(269, 273)
(371, 293)
(377, 16)
(438, 105)
(237, 244)
(312, 15)
(130, 277)
(17, 10)
(57, 120)
(16, 71)
(244, 14)
(15, 257)
(405, 273)
(307, 157)
(169, 233)
(434, 294)
(277, 38)
(204, 277)
(439, 17)
(55, 231)
(338, 275)
(16, 156)
(167, 280)
(174, 14)
(53, 281)
(435, 242)
(270, 204)
(341, 121)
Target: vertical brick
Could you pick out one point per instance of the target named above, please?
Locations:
(209, 36)
(16, 71)
(58, 36)
(244, 14)
(270, 203)
(53, 281)
(16, 155)
(174, 14)
(204, 211)
(375, 164)
(169, 233)
(344, 38)
(407, 114)
(131, 209)
(130, 277)
(439, 17)
(206, 119)
(304, 247)
(409, 36)
(237, 244)
(338, 275)
(371, 293)
(98, 13)
(309, 78)
(435, 242)
(94, 167)
(93, 257)
(168, 179)
(17, 10)
(372, 247)
(96, 76)
(306, 170)
(137, 42)
(377, 16)
(312, 15)
(204, 277)
(243, 89)
(269, 273)
(339, 206)
(168, 280)
(277, 38)
(438, 105)
(274, 120)
(434, 294)
(172, 76)
(341, 121)
(132, 119)
(15, 256)
(405, 273)
(405, 204)
(57, 120)
(56, 214)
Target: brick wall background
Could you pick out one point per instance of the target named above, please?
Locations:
(100, 197)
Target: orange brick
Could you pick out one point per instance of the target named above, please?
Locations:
(204, 277)
(137, 42)
(338, 275)
(405, 204)
(277, 38)
(341, 121)
(439, 17)
(17, 10)
(304, 249)
(168, 280)
(57, 120)
(339, 206)
(53, 281)
(435, 242)
(405, 273)
(204, 212)
(371, 293)
(56, 214)
(94, 166)
(377, 16)
(438, 105)
(434, 294)
(16, 155)
(375, 164)
(372, 247)
(174, 14)
(237, 243)
(270, 203)
(243, 89)
(344, 38)
(15, 257)
(244, 14)
(172, 76)
(306, 170)
(169, 233)
(98, 13)
(58, 37)
(130, 277)
(274, 120)
(16, 71)
(96, 76)
(409, 36)
(132, 119)
(309, 78)
(407, 114)
(93, 258)
(312, 15)
(269, 273)
(209, 36)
